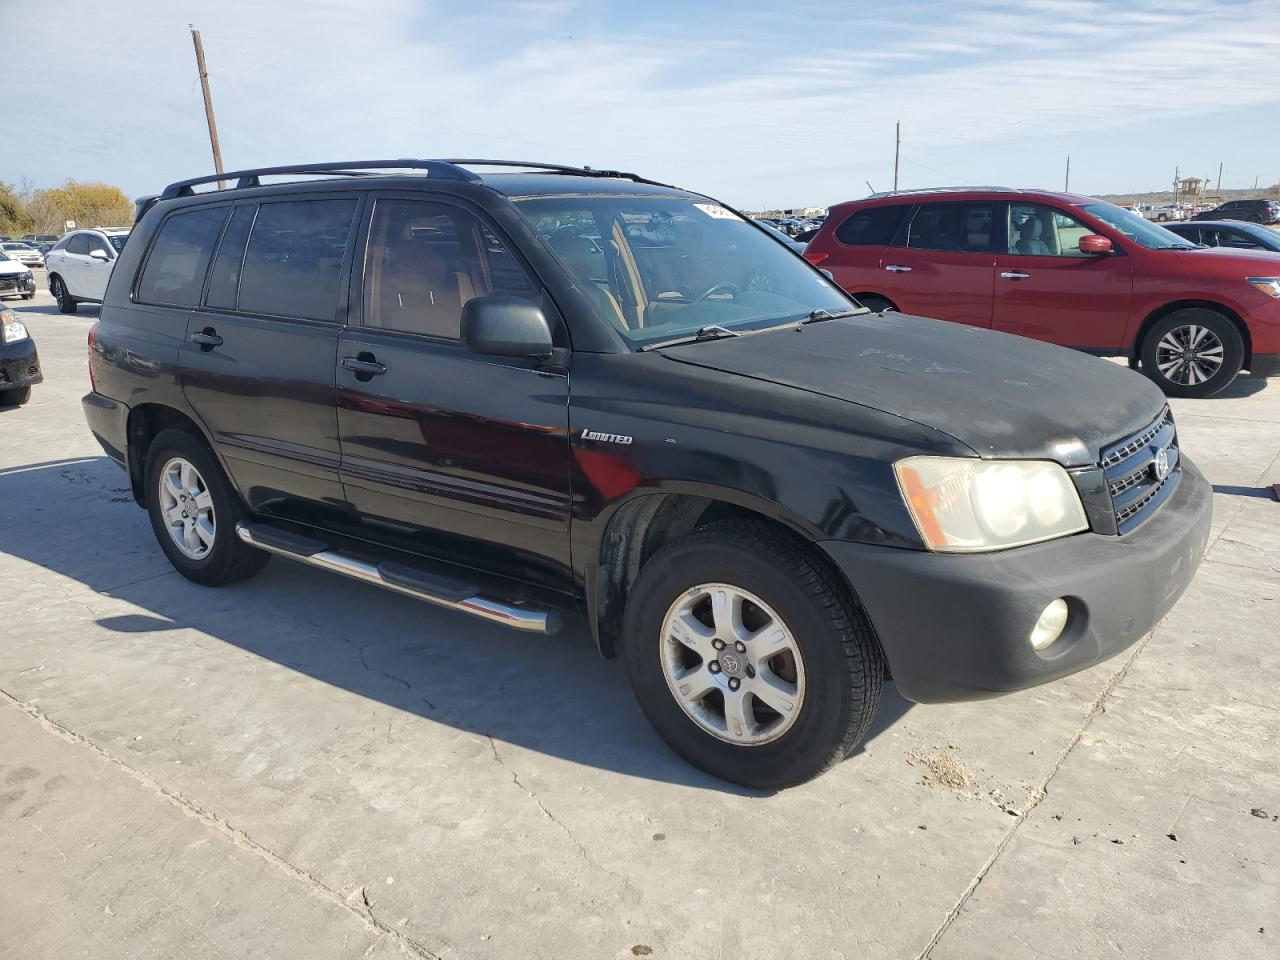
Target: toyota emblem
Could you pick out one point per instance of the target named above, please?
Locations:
(1160, 463)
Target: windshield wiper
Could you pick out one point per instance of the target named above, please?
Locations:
(1179, 246)
(710, 332)
(817, 316)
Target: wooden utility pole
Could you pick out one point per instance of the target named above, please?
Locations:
(897, 149)
(1066, 183)
(1219, 190)
(208, 105)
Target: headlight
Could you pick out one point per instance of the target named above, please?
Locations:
(12, 327)
(1268, 285)
(967, 506)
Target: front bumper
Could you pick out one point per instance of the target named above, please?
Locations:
(13, 284)
(19, 365)
(955, 627)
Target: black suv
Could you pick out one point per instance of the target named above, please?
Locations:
(551, 388)
(1254, 211)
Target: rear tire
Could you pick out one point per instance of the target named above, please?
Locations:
(194, 512)
(15, 398)
(1194, 352)
(66, 302)
(776, 597)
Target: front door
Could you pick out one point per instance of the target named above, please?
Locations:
(96, 269)
(946, 266)
(444, 451)
(258, 363)
(1048, 290)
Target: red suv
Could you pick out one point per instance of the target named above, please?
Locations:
(1067, 269)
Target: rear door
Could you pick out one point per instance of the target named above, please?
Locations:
(258, 364)
(1047, 289)
(444, 451)
(73, 267)
(852, 251)
(946, 261)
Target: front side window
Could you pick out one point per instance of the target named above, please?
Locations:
(1140, 231)
(174, 271)
(293, 262)
(425, 260)
(1036, 230)
(79, 244)
(873, 226)
(960, 227)
(97, 243)
(664, 267)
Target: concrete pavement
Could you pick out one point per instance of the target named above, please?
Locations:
(302, 766)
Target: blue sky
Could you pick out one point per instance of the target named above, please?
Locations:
(762, 104)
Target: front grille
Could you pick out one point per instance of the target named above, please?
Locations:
(1129, 464)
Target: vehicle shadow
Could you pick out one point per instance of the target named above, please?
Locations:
(88, 310)
(1245, 385)
(553, 695)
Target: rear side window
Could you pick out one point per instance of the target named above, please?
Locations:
(294, 259)
(962, 227)
(224, 280)
(873, 226)
(179, 257)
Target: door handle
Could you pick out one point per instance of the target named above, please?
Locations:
(364, 366)
(207, 338)
(1013, 275)
(897, 268)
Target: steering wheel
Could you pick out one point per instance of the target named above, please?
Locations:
(728, 288)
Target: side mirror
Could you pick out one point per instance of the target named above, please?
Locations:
(99, 255)
(1095, 245)
(506, 326)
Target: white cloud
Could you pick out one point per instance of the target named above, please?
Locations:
(781, 105)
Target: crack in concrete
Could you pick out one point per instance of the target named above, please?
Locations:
(578, 845)
(378, 927)
(1038, 795)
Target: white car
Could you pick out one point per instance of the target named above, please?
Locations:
(15, 278)
(24, 253)
(1166, 212)
(80, 265)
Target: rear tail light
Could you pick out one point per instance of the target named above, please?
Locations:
(816, 258)
(92, 337)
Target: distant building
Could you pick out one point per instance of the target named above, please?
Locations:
(1192, 188)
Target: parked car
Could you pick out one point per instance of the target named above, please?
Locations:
(556, 388)
(1135, 210)
(34, 238)
(1165, 212)
(19, 362)
(791, 243)
(1067, 269)
(1253, 211)
(15, 278)
(80, 264)
(1234, 234)
(24, 253)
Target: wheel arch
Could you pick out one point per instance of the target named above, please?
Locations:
(643, 524)
(876, 296)
(1158, 314)
(145, 423)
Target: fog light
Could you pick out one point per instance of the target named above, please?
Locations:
(1050, 625)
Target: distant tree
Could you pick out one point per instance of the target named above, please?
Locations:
(88, 204)
(14, 220)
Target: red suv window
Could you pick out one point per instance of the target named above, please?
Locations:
(873, 226)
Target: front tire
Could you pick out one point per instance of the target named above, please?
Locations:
(1195, 352)
(15, 398)
(875, 304)
(194, 512)
(748, 656)
(66, 302)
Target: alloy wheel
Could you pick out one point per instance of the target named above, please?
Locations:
(187, 508)
(732, 664)
(1189, 355)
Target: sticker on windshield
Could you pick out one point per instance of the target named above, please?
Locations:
(715, 211)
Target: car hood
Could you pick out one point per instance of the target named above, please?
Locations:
(1000, 395)
(12, 266)
(1252, 259)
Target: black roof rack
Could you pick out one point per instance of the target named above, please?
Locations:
(556, 168)
(251, 178)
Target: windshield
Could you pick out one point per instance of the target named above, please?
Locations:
(1138, 230)
(17, 247)
(3, 256)
(117, 240)
(658, 268)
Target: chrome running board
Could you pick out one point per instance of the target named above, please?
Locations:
(443, 591)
